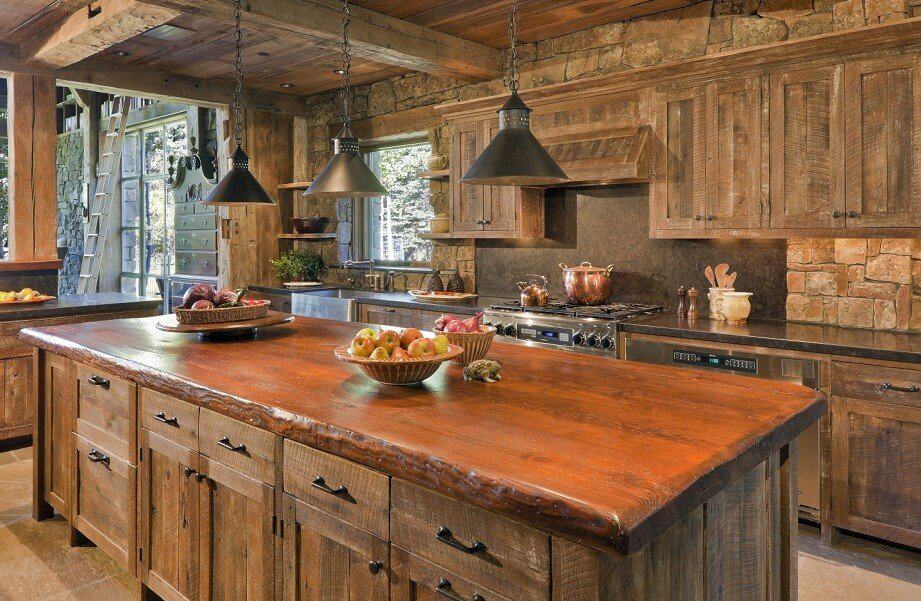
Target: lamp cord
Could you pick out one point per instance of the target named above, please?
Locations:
(237, 102)
(346, 65)
(513, 47)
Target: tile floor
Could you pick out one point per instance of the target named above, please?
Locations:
(36, 563)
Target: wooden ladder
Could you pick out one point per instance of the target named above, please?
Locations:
(99, 224)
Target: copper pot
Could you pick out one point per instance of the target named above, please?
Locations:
(585, 284)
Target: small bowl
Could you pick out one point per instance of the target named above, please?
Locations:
(439, 224)
(400, 373)
(309, 225)
(475, 344)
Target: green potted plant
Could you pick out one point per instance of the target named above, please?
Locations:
(299, 264)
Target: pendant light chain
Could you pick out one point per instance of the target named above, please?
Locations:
(513, 47)
(346, 65)
(237, 102)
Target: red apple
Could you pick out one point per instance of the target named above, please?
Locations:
(408, 335)
(388, 339)
(421, 347)
(455, 327)
(399, 355)
(362, 346)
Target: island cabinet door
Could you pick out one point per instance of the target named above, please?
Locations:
(59, 397)
(16, 400)
(168, 523)
(326, 559)
(236, 535)
(416, 579)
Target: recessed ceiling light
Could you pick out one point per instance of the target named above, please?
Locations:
(287, 85)
(263, 53)
(122, 53)
(339, 71)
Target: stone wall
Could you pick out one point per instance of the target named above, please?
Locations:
(700, 29)
(69, 158)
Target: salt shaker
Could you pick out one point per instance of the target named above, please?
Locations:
(693, 312)
(682, 310)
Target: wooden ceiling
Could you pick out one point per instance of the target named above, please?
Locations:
(200, 44)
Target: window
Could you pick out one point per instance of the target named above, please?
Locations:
(68, 115)
(147, 234)
(388, 227)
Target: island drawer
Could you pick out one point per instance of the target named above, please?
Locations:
(104, 508)
(107, 410)
(351, 492)
(484, 548)
(876, 382)
(245, 448)
(415, 579)
(174, 420)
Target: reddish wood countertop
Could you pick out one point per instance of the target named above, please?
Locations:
(610, 453)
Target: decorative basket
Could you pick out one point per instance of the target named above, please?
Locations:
(221, 315)
(399, 372)
(475, 344)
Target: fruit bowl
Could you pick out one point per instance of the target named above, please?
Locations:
(475, 344)
(410, 371)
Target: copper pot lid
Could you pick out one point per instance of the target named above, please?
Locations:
(586, 267)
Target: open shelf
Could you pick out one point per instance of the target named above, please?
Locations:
(294, 186)
(441, 174)
(320, 236)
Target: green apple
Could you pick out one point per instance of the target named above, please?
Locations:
(380, 354)
(369, 332)
(388, 339)
(441, 344)
(421, 347)
(362, 346)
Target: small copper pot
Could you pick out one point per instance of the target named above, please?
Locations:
(585, 284)
(532, 293)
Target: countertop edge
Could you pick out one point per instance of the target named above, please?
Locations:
(40, 312)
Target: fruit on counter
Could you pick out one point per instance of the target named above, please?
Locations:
(369, 332)
(380, 354)
(408, 335)
(202, 304)
(442, 322)
(441, 344)
(455, 325)
(225, 297)
(362, 345)
(472, 325)
(400, 355)
(26, 294)
(197, 292)
(421, 347)
(388, 340)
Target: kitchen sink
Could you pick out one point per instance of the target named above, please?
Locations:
(335, 303)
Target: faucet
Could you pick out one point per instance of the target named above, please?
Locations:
(389, 284)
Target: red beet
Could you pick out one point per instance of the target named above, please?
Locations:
(472, 325)
(197, 292)
(442, 322)
(202, 304)
(456, 326)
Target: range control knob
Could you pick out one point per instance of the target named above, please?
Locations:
(498, 327)
(593, 339)
(511, 330)
(607, 341)
(578, 337)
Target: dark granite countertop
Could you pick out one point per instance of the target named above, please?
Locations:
(283, 290)
(80, 304)
(813, 338)
(406, 300)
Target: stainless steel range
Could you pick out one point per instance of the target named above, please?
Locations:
(584, 329)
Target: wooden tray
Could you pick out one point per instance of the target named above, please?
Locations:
(34, 301)
(169, 323)
(448, 297)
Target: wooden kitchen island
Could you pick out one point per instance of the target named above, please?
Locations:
(266, 469)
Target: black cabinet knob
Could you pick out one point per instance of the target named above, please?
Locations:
(698, 217)
(837, 215)
(710, 217)
(852, 214)
(375, 566)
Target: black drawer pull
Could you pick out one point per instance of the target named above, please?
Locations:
(169, 421)
(375, 566)
(893, 387)
(444, 589)
(97, 457)
(189, 472)
(320, 483)
(100, 382)
(225, 442)
(447, 537)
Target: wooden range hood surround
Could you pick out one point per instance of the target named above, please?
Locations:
(601, 157)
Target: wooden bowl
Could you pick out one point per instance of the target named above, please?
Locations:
(218, 315)
(309, 225)
(399, 372)
(475, 344)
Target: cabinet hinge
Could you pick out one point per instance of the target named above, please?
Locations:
(274, 524)
(140, 453)
(140, 554)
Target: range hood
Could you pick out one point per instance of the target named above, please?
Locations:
(600, 157)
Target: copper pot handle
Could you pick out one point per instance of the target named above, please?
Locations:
(563, 266)
(585, 264)
(522, 285)
(608, 270)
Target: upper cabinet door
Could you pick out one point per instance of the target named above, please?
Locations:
(500, 204)
(734, 154)
(677, 191)
(807, 158)
(466, 199)
(883, 133)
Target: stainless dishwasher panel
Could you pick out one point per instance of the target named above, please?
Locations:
(758, 365)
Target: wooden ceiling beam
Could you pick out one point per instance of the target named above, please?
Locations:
(93, 28)
(374, 36)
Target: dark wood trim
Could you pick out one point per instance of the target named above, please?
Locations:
(51, 265)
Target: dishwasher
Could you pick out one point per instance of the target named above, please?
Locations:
(754, 365)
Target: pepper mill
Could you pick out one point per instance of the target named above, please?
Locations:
(682, 309)
(693, 312)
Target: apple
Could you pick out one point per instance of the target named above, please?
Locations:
(399, 355)
(408, 335)
(388, 339)
(440, 343)
(369, 332)
(380, 354)
(421, 347)
(362, 346)
(455, 327)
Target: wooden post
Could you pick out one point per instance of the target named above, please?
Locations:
(33, 171)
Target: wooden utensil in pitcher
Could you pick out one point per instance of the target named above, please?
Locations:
(721, 270)
(709, 273)
(731, 279)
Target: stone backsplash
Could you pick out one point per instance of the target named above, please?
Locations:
(866, 283)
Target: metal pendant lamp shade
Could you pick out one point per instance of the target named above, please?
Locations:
(346, 174)
(515, 157)
(239, 186)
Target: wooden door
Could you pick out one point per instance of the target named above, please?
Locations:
(466, 199)
(60, 416)
(500, 203)
(677, 192)
(733, 122)
(882, 99)
(382, 316)
(417, 579)
(806, 152)
(236, 535)
(326, 559)
(168, 523)
(16, 400)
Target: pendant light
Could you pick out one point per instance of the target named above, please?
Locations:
(514, 157)
(239, 186)
(346, 174)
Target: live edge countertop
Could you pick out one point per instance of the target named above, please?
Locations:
(794, 336)
(79, 304)
(609, 453)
